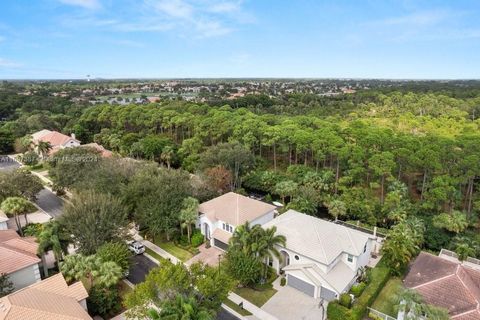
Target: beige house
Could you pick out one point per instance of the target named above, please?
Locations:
(50, 299)
(219, 217)
(56, 139)
(3, 221)
(18, 259)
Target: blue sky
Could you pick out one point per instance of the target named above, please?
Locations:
(239, 38)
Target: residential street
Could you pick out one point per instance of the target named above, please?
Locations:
(225, 315)
(7, 164)
(140, 266)
(50, 203)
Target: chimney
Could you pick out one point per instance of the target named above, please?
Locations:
(73, 136)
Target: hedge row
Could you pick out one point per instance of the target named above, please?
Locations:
(378, 278)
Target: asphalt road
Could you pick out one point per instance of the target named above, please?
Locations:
(225, 315)
(50, 203)
(139, 268)
(8, 164)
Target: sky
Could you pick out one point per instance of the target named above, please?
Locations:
(404, 39)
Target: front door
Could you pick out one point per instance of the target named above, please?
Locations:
(207, 231)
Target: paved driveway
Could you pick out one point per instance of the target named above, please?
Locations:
(291, 304)
(140, 267)
(8, 164)
(208, 256)
(50, 203)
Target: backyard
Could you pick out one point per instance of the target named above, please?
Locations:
(386, 300)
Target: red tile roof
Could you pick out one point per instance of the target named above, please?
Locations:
(16, 253)
(446, 284)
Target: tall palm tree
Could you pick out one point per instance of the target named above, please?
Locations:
(53, 237)
(268, 243)
(167, 155)
(188, 215)
(44, 148)
(16, 206)
(241, 238)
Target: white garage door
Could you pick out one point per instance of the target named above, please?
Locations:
(301, 285)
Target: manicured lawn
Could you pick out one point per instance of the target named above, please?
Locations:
(153, 254)
(258, 296)
(237, 308)
(173, 249)
(385, 301)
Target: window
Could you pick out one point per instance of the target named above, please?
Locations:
(224, 227)
(365, 248)
(297, 257)
(231, 229)
(350, 258)
(270, 262)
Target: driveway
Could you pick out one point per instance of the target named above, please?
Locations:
(139, 268)
(8, 164)
(208, 256)
(291, 304)
(50, 203)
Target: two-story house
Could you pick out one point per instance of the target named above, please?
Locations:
(321, 258)
(219, 217)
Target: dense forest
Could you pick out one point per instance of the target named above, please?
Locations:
(377, 156)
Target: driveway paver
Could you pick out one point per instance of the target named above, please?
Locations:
(291, 304)
(207, 255)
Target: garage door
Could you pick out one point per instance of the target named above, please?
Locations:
(301, 285)
(327, 294)
(220, 244)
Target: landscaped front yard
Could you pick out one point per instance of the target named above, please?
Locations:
(258, 295)
(386, 300)
(174, 250)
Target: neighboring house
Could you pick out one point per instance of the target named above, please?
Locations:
(446, 283)
(322, 259)
(3, 221)
(220, 216)
(104, 152)
(56, 139)
(18, 259)
(50, 299)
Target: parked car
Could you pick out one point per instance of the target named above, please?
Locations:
(136, 247)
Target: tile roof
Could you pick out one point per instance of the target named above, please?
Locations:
(54, 137)
(318, 239)
(50, 299)
(234, 208)
(446, 284)
(105, 153)
(15, 252)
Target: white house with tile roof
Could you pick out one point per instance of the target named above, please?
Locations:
(219, 217)
(321, 258)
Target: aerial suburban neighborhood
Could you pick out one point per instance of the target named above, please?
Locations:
(239, 160)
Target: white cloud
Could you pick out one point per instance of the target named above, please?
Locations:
(173, 8)
(87, 4)
(425, 18)
(4, 63)
(128, 43)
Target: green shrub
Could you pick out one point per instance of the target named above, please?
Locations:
(197, 239)
(337, 312)
(374, 316)
(30, 158)
(283, 282)
(357, 289)
(103, 301)
(32, 229)
(345, 300)
(378, 278)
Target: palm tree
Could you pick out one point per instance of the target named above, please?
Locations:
(16, 206)
(91, 268)
(167, 155)
(182, 308)
(188, 215)
(53, 237)
(44, 148)
(337, 208)
(241, 238)
(268, 243)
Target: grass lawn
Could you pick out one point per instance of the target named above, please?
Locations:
(174, 250)
(385, 301)
(237, 308)
(259, 295)
(153, 254)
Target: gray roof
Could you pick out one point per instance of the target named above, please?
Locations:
(317, 239)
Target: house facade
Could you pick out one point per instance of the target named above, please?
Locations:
(321, 259)
(219, 217)
(3, 221)
(18, 259)
(56, 139)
